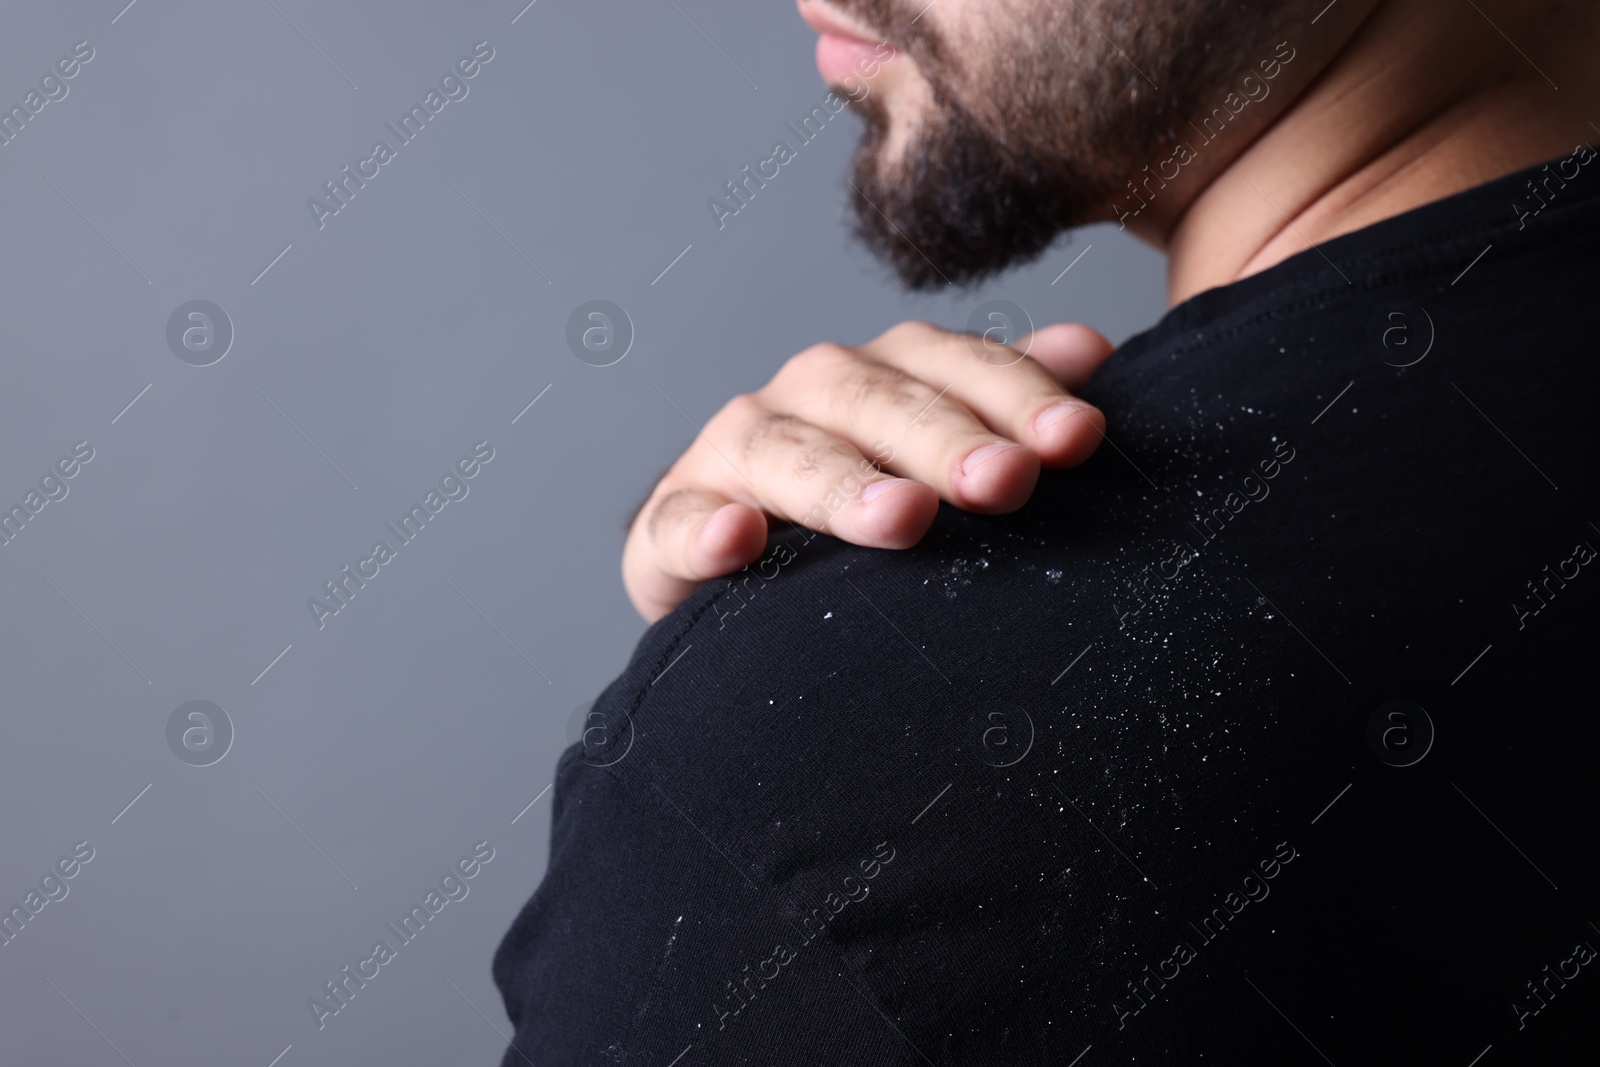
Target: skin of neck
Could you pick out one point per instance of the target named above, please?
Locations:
(1402, 102)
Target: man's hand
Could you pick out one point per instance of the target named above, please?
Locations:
(813, 445)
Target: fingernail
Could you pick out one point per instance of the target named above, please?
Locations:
(1057, 412)
(874, 490)
(983, 455)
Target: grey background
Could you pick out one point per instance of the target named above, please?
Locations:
(407, 329)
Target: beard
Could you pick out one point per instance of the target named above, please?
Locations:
(961, 206)
(1038, 125)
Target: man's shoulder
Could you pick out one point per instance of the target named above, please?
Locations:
(818, 628)
(796, 633)
(827, 684)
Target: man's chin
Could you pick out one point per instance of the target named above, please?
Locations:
(954, 208)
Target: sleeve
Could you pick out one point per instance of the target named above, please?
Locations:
(664, 931)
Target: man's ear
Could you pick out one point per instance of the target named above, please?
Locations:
(1069, 350)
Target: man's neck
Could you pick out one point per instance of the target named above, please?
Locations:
(1428, 99)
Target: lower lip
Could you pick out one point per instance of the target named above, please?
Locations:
(839, 58)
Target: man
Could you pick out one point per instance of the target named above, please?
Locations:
(1262, 736)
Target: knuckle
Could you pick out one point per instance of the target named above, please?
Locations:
(772, 429)
(809, 462)
(670, 510)
(912, 331)
(741, 410)
(818, 359)
(865, 382)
